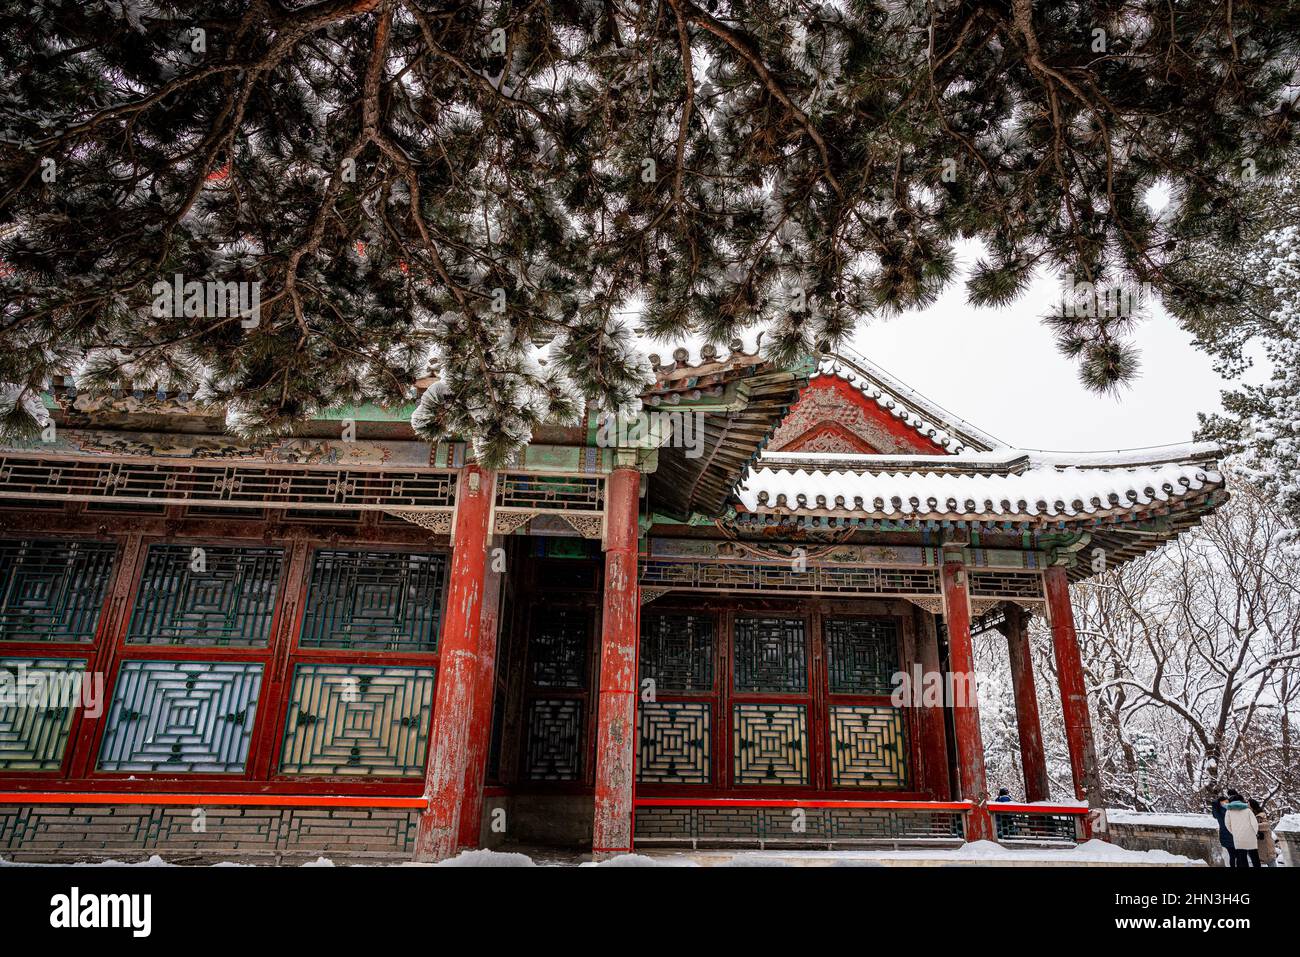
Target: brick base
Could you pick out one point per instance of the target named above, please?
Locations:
(52, 833)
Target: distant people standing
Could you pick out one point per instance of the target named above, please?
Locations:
(1004, 796)
(1267, 840)
(1243, 826)
(1219, 806)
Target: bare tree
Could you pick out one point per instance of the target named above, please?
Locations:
(1192, 658)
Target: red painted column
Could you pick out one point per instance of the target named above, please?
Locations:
(934, 734)
(616, 715)
(1032, 759)
(458, 669)
(480, 729)
(1074, 692)
(965, 706)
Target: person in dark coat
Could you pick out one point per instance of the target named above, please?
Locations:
(1219, 807)
(1004, 796)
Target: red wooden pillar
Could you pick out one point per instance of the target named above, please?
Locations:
(458, 670)
(934, 734)
(965, 705)
(480, 729)
(1032, 759)
(616, 715)
(1074, 693)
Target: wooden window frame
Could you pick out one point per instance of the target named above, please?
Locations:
(725, 610)
(109, 649)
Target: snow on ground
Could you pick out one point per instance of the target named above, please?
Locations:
(985, 853)
(487, 858)
(637, 860)
(1091, 853)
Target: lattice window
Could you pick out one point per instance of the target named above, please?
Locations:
(555, 737)
(52, 590)
(554, 493)
(1008, 584)
(771, 654)
(96, 479)
(908, 581)
(206, 595)
(674, 745)
(374, 601)
(770, 744)
(181, 717)
(357, 720)
(868, 747)
(763, 825)
(777, 577)
(861, 655)
(37, 696)
(557, 647)
(677, 652)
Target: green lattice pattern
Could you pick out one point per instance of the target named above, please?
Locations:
(374, 601)
(206, 595)
(358, 720)
(52, 590)
(674, 743)
(37, 698)
(770, 743)
(868, 747)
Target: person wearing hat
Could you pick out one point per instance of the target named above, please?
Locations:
(1267, 840)
(1244, 828)
(1219, 807)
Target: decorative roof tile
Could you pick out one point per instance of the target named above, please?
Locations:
(1005, 485)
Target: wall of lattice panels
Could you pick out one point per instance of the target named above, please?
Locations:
(142, 663)
(768, 702)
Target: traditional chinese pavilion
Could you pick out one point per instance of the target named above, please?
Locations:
(376, 649)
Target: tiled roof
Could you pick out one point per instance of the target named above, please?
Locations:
(740, 399)
(900, 400)
(1005, 485)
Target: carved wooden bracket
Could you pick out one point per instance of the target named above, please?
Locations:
(650, 594)
(508, 522)
(440, 523)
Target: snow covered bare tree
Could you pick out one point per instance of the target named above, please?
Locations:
(1192, 656)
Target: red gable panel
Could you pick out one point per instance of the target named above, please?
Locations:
(833, 416)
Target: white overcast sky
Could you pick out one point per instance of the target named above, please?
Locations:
(999, 370)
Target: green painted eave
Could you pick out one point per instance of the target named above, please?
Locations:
(367, 412)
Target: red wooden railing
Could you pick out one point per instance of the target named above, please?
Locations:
(209, 800)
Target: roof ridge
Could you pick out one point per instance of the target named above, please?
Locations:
(951, 431)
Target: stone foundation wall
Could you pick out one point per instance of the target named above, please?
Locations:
(1198, 843)
(54, 833)
(1192, 835)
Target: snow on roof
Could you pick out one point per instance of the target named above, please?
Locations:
(906, 404)
(1009, 483)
